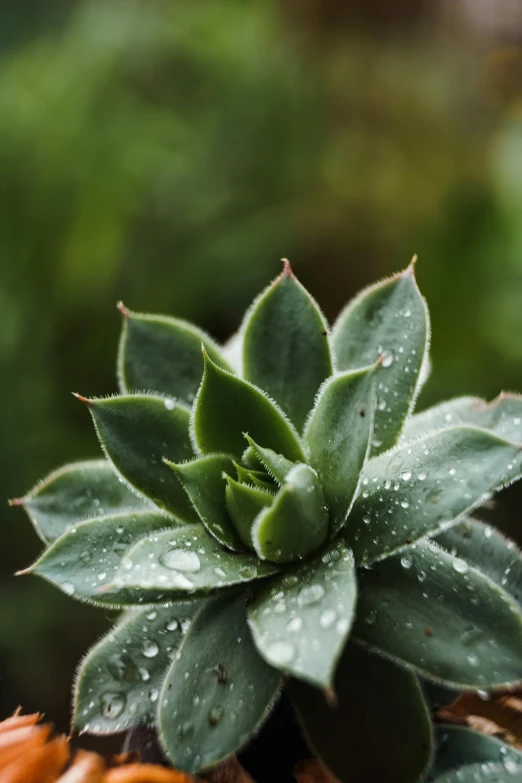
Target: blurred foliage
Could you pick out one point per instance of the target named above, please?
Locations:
(170, 153)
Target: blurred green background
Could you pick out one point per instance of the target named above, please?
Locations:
(169, 153)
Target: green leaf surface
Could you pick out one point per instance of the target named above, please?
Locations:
(417, 489)
(226, 407)
(485, 548)
(458, 746)
(301, 620)
(277, 466)
(338, 435)
(296, 523)
(86, 557)
(243, 504)
(203, 482)
(81, 490)
(182, 561)
(218, 690)
(379, 731)
(119, 681)
(503, 416)
(163, 354)
(484, 772)
(256, 477)
(137, 432)
(286, 351)
(390, 317)
(434, 612)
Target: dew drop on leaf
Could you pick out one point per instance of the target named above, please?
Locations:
(150, 649)
(215, 714)
(406, 475)
(460, 566)
(280, 652)
(181, 560)
(294, 625)
(405, 563)
(122, 668)
(472, 659)
(310, 594)
(112, 705)
(328, 618)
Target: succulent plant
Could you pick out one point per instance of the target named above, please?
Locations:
(273, 513)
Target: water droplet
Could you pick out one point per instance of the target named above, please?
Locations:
(452, 471)
(310, 594)
(517, 420)
(472, 659)
(407, 313)
(366, 519)
(173, 625)
(86, 556)
(150, 648)
(294, 625)
(151, 615)
(422, 476)
(405, 504)
(371, 617)
(328, 618)
(181, 560)
(405, 563)
(112, 705)
(170, 404)
(153, 694)
(388, 359)
(122, 667)
(68, 588)
(460, 566)
(406, 475)
(145, 675)
(215, 714)
(280, 652)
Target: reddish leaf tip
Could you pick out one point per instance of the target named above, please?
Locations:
(16, 501)
(24, 571)
(83, 399)
(287, 269)
(331, 696)
(410, 269)
(126, 313)
(104, 588)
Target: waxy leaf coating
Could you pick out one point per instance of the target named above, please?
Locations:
(458, 746)
(286, 350)
(226, 407)
(185, 560)
(137, 433)
(379, 729)
(218, 690)
(87, 556)
(81, 490)
(447, 620)
(419, 488)
(312, 601)
(296, 523)
(162, 354)
(338, 435)
(391, 318)
(119, 681)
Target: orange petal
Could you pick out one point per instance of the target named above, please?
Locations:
(313, 771)
(38, 765)
(19, 742)
(17, 721)
(230, 771)
(86, 768)
(146, 773)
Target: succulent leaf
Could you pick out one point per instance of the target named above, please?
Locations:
(277, 466)
(226, 407)
(243, 504)
(218, 690)
(81, 490)
(183, 561)
(87, 555)
(119, 681)
(285, 337)
(314, 600)
(419, 488)
(338, 435)
(486, 549)
(162, 354)
(380, 728)
(503, 416)
(483, 772)
(390, 317)
(458, 746)
(137, 432)
(202, 479)
(434, 612)
(296, 523)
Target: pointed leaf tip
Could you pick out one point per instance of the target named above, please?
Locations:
(287, 269)
(83, 399)
(126, 313)
(16, 501)
(24, 571)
